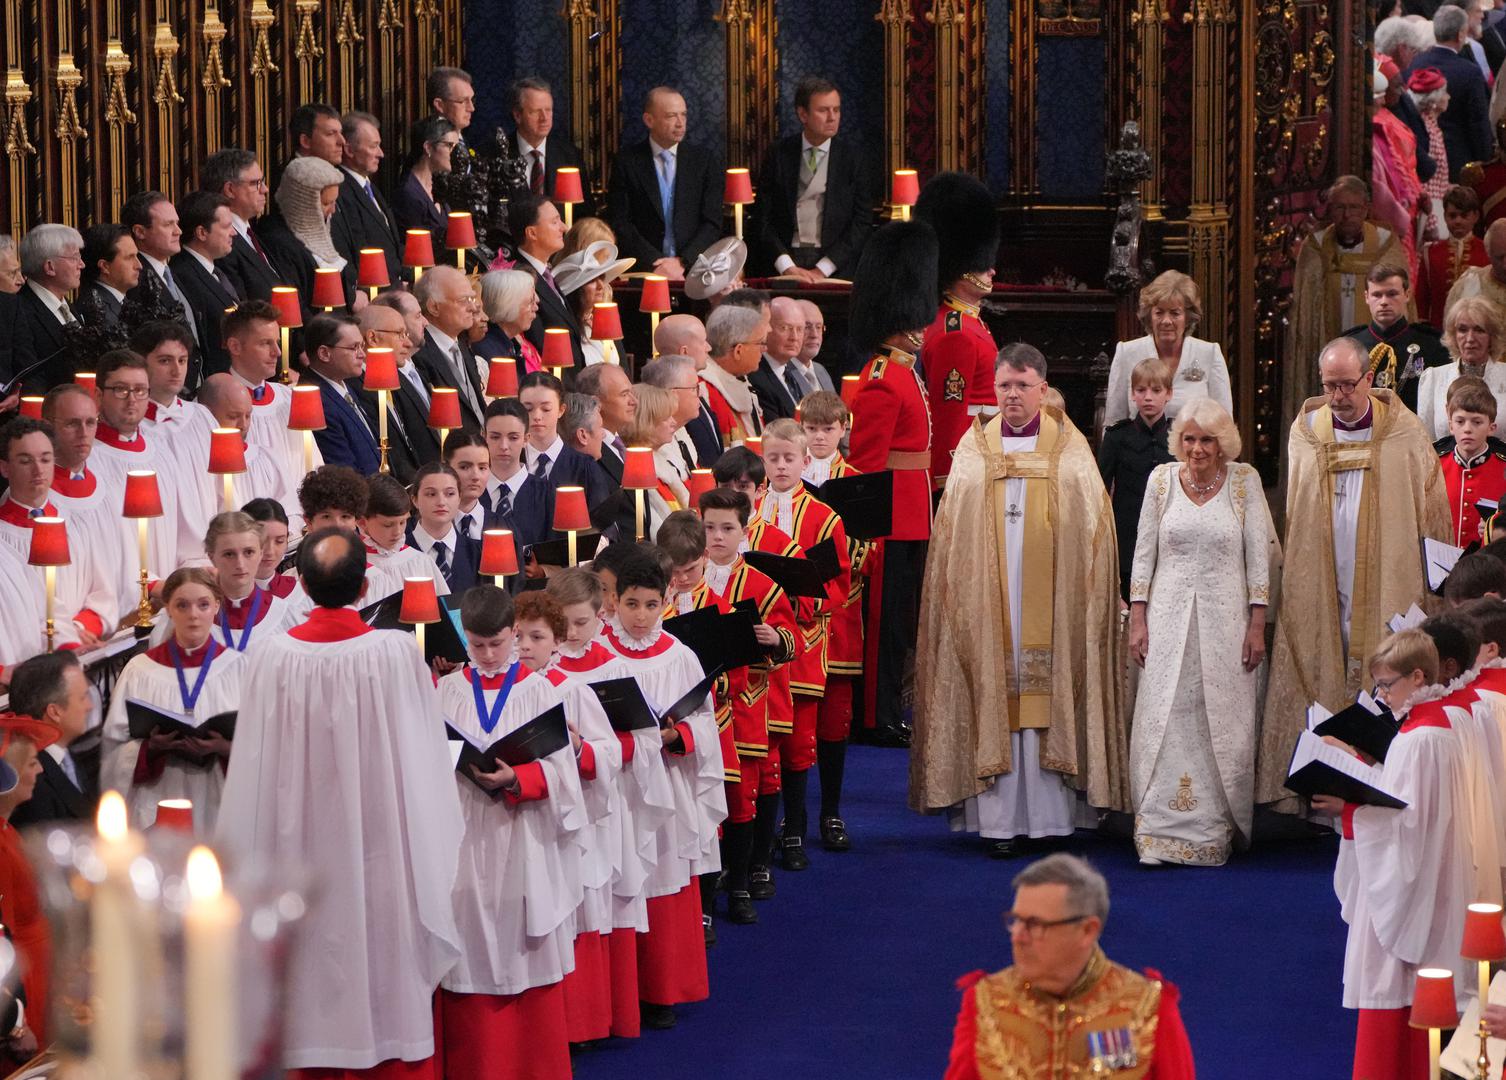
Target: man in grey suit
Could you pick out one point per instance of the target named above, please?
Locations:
(815, 374)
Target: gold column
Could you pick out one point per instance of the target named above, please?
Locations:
(165, 94)
(580, 21)
(1147, 19)
(262, 68)
(69, 131)
(738, 17)
(1022, 56)
(895, 16)
(18, 145)
(118, 112)
(306, 48)
(947, 16)
(213, 78)
(424, 13)
(389, 25)
(347, 36)
(1208, 217)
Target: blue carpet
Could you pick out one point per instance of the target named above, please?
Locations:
(850, 971)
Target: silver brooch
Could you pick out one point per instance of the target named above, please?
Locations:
(1194, 374)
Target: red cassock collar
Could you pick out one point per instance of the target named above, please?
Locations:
(189, 658)
(595, 655)
(1491, 678)
(64, 484)
(235, 613)
(664, 643)
(1428, 714)
(494, 682)
(13, 513)
(555, 676)
(108, 436)
(330, 624)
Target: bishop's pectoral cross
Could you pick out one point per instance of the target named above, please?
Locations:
(1014, 513)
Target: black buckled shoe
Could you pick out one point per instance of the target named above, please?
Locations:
(792, 854)
(708, 931)
(1004, 849)
(740, 909)
(834, 834)
(896, 737)
(760, 883)
(656, 1017)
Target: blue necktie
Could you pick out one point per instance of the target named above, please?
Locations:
(370, 194)
(441, 560)
(504, 501)
(70, 770)
(667, 200)
(541, 469)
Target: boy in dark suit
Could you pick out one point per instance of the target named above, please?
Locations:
(1130, 452)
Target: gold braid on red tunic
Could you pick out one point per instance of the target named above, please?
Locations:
(1027, 1034)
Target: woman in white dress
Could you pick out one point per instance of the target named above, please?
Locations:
(1475, 332)
(190, 673)
(1198, 597)
(1170, 309)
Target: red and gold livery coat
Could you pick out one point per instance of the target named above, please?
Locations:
(958, 357)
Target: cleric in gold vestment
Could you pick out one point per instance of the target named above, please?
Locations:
(1018, 661)
(1363, 486)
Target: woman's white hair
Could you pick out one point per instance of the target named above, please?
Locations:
(503, 293)
(1210, 417)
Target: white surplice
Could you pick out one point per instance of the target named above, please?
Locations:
(23, 626)
(1028, 800)
(269, 430)
(341, 768)
(111, 459)
(155, 683)
(1348, 487)
(386, 570)
(1192, 745)
(519, 882)
(264, 478)
(98, 570)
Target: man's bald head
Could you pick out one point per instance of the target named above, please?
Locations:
(683, 335)
(815, 330)
(786, 329)
(383, 327)
(1495, 238)
(332, 567)
(1343, 358)
(228, 399)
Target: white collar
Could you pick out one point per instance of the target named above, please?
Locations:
(635, 643)
(155, 263)
(539, 266)
(806, 146)
(242, 226)
(777, 365)
(53, 301)
(513, 483)
(338, 384)
(656, 150)
(112, 290)
(425, 543)
(525, 147)
(357, 177)
(247, 383)
(443, 340)
(531, 455)
(206, 263)
(717, 576)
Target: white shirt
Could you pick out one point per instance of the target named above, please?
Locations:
(717, 577)
(784, 263)
(111, 289)
(52, 300)
(477, 515)
(531, 456)
(526, 152)
(205, 262)
(425, 543)
(539, 268)
(513, 483)
(156, 264)
(818, 470)
(658, 152)
(1348, 488)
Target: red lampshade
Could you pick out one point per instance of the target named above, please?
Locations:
(381, 370)
(502, 377)
(606, 322)
(289, 309)
(1484, 938)
(418, 248)
(461, 231)
(739, 187)
(557, 350)
(420, 602)
(700, 482)
(444, 408)
(570, 512)
(655, 294)
(567, 187)
(307, 411)
(499, 552)
(227, 451)
(638, 470)
(329, 290)
(371, 270)
(31, 405)
(1433, 1001)
(906, 187)
(850, 384)
(88, 380)
(754, 443)
(174, 814)
(142, 497)
(49, 542)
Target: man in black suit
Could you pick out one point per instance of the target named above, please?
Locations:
(411, 441)
(53, 262)
(111, 270)
(1466, 122)
(665, 196)
(685, 335)
(153, 221)
(814, 207)
(52, 688)
(445, 358)
(536, 141)
(363, 218)
(208, 236)
(539, 232)
(237, 175)
(778, 382)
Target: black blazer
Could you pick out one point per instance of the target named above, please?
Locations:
(707, 439)
(151, 290)
(1466, 122)
(359, 223)
(846, 209)
(465, 561)
(55, 797)
(637, 216)
(438, 369)
(554, 311)
(97, 306)
(415, 209)
(208, 297)
(253, 275)
(775, 398)
(1406, 111)
(560, 152)
(39, 337)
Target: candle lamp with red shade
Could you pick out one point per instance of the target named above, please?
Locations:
(638, 476)
(558, 354)
(289, 318)
(499, 554)
(568, 191)
(371, 271)
(381, 376)
(418, 251)
(143, 501)
(738, 192)
(571, 515)
(420, 605)
(460, 235)
(655, 301)
(903, 191)
(49, 550)
(606, 327)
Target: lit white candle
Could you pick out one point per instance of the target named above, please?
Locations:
(209, 932)
(114, 934)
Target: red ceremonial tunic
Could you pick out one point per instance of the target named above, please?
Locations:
(28, 927)
(763, 536)
(1484, 477)
(959, 357)
(813, 523)
(1491, 188)
(844, 631)
(891, 429)
(1441, 264)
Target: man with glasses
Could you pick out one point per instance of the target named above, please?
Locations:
(237, 175)
(685, 335)
(52, 260)
(337, 357)
(1032, 728)
(1063, 1008)
(736, 336)
(452, 95)
(1363, 485)
(411, 441)
(445, 358)
(1328, 286)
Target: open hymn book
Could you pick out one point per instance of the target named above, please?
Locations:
(1318, 768)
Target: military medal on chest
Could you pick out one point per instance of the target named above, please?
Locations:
(1111, 1050)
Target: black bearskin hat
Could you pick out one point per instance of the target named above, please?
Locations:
(961, 211)
(894, 288)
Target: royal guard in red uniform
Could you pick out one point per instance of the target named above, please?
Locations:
(894, 299)
(1473, 462)
(958, 350)
(1444, 260)
(1488, 178)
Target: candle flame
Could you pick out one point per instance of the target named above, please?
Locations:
(203, 874)
(111, 818)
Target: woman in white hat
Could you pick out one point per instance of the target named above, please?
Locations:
(584, 280)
